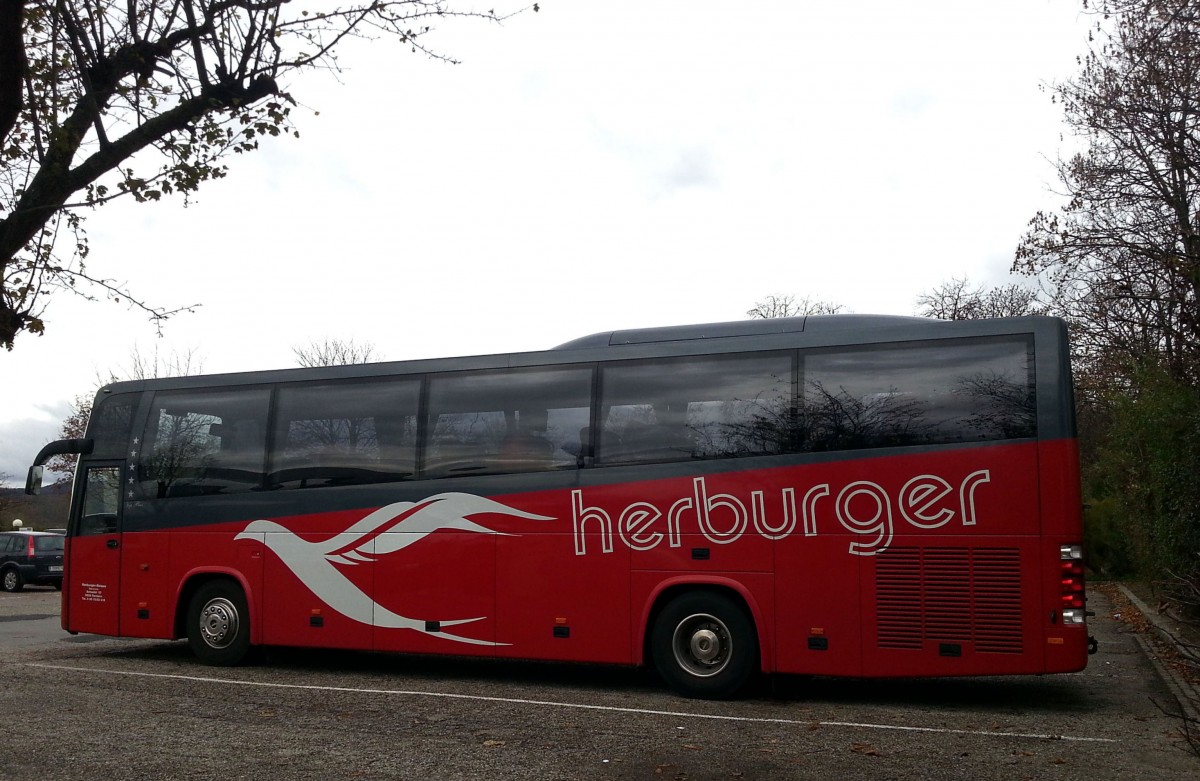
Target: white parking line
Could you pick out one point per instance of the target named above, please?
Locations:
(575, 705)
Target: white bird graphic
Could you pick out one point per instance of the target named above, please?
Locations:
(367, 540)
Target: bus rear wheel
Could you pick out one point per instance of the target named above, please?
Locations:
(218, 625)
(704, 645)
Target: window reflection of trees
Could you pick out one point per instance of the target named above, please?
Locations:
(347, 435)
(102, 494)
(494, 422)
(1001, 407)
(111, 424)
(500, 421)
(762, 425)
(933, 409)
(182, 451)
(465, 442)
(648, 432)
(977, 390)
(840, 420)
(987, 405)
(205, 443)
(693, 408)
(345, 451)
(101, 501)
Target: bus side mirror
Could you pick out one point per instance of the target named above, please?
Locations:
(33, 483)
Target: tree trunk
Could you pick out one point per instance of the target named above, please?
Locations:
(12, 64)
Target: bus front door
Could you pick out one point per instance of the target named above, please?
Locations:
(93, 570)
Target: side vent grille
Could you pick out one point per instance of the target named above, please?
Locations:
(968, 596)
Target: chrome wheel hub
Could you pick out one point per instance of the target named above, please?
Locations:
(219, 623)
(702, 645)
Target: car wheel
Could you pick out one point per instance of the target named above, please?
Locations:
(218, 624)
(11, 581)
(704, 645)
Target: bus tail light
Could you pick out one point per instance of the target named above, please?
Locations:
(1071, 580)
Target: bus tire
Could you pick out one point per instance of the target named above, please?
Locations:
(11, 580)
(704, 645)
(218, 624)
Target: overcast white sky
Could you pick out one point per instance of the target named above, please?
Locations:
(602, 164)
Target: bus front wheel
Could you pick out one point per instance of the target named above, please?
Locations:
(704, 645)
(218, 625)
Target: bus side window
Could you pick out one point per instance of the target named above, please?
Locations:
(504, 421)
(101, 501)
(704, 407)
(345, 433)
(205, 442)
(919, 394)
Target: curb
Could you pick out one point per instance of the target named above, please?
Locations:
(1185, 694)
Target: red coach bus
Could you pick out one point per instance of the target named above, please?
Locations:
(836, 495)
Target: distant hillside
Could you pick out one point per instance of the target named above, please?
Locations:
(45, 511)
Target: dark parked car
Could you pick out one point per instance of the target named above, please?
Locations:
(30, 557)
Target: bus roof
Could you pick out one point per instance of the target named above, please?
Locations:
(742, 328)
(756, 334)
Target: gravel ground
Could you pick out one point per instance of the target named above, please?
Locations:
(96, 708)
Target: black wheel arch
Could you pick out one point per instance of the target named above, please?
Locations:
(193, 584)
(729, 593)
(218, 622)
(670, 593)
(724, 654)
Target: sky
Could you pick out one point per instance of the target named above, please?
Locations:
(597, 165)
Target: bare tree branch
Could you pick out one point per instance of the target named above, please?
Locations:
(148, 100)
(789, 306)
(335, 352)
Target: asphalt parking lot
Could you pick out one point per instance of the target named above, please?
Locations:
(96, 708)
